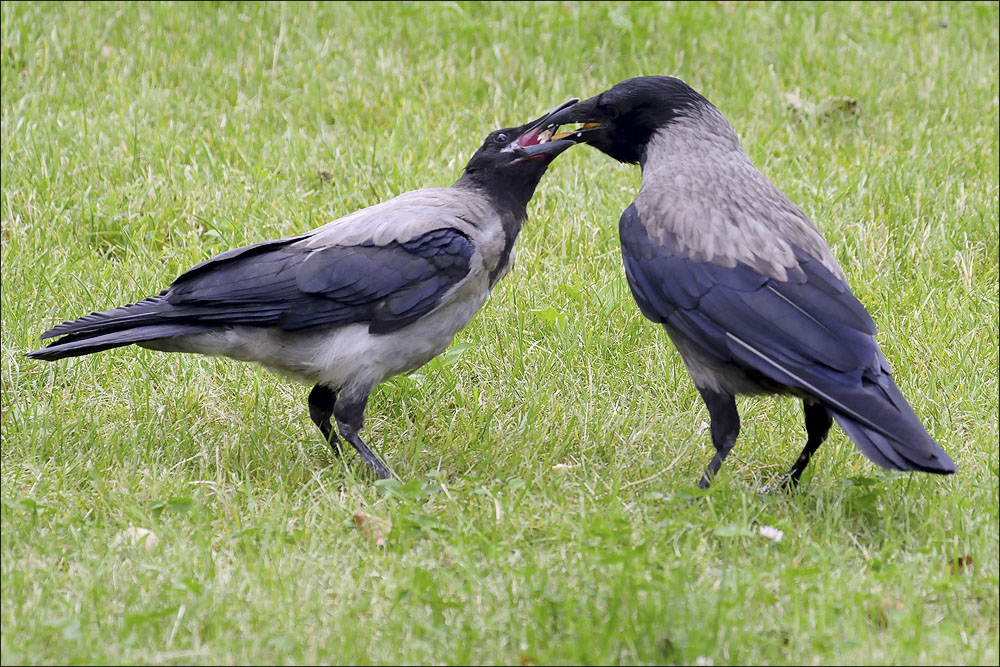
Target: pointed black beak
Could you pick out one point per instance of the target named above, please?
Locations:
(536, 140)
(546, 120)
(586, 112)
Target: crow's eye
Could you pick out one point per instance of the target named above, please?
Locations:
(501, 138)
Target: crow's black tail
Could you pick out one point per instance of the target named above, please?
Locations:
(870, 408)
(135, 323)
(885, 428)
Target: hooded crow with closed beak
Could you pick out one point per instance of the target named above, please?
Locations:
(344, 307)
(744, 283)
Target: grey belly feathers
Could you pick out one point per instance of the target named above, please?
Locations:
(339, 356)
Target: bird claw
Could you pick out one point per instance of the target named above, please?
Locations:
(786, 483)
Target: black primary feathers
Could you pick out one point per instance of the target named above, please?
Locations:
(289, 288)
(346, 306)
(742, 281)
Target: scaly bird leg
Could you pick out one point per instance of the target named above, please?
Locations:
(322, 400)
(818, 423)
(349, 411)
(725, 428)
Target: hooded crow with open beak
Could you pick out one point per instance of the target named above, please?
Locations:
(344, 307)
(743, 282)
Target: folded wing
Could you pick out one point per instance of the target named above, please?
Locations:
(808, 333)
(287, 285)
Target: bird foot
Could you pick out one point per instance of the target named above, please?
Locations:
(788, 483)
(368, 455)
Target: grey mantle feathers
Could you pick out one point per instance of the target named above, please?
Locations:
(364, 298)
(743, 282)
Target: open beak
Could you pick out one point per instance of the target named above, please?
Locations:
(583, 112)
(580, 133)
(539, 140)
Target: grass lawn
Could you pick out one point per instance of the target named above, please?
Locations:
(140, 139)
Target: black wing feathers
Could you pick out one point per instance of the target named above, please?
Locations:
(245, 251)
(119, 318)
(807, 333)
(813, 317)
(295, 288)
(388, 286)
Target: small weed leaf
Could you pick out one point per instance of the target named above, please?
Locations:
(25, 504)
(765, 596)
(191, 584)
(391, 487)
(415, 489)
(550, 315)
(425, 523)
(887, 475)
(448, 358)
(243, 532)
(885, 569)
(453, 353)
(692, 492)
(281, 643)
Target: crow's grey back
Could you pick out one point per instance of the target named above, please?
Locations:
(703, 198)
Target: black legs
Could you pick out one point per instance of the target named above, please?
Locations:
(321, 402)
(726, 426)
(725, 422)
(350, 414)
(349, 411)
(818, 423)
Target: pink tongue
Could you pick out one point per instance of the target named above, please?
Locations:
(531, 138)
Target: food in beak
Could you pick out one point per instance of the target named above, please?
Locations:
(569, 133)
(536, 137)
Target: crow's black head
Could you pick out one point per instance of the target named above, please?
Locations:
(512, 160)
(620, 121)
(525, 148)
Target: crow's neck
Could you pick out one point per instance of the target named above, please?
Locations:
(509, 193)
(508, 188)
(700, 134)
